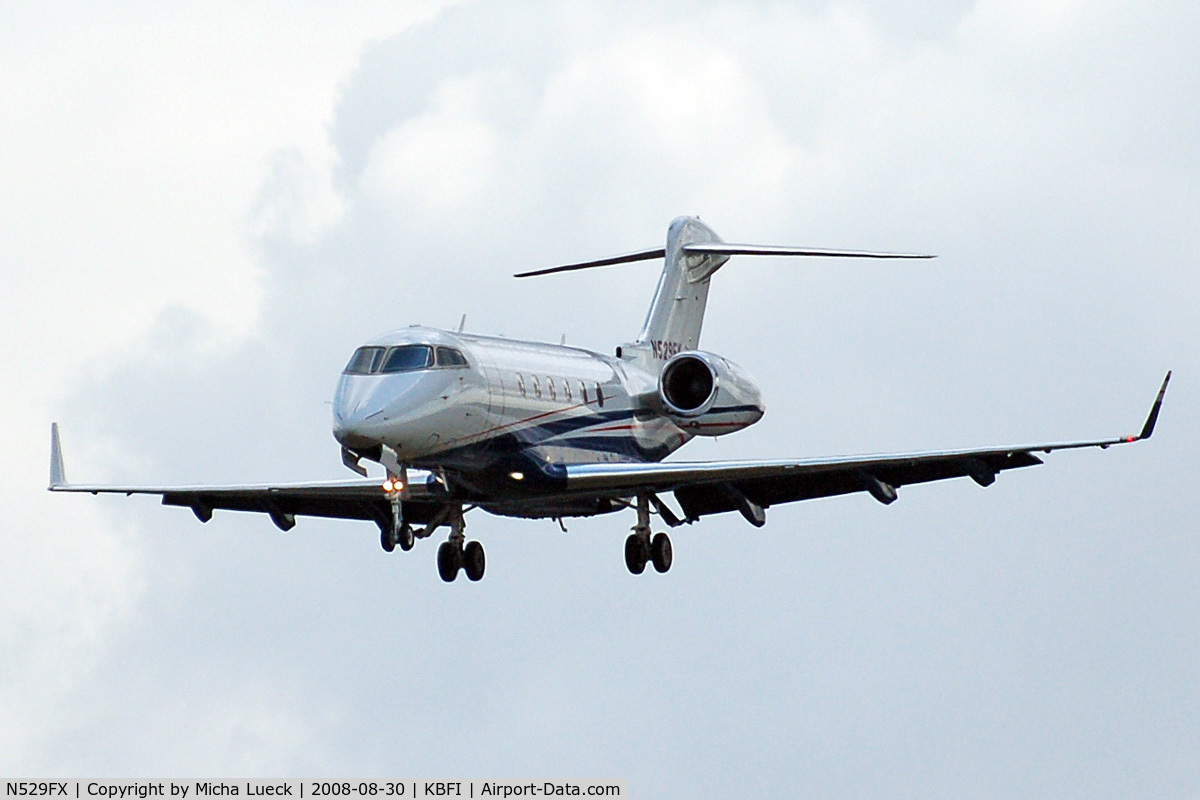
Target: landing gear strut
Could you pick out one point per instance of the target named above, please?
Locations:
(640, 547)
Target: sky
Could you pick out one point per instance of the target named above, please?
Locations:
(208, 206)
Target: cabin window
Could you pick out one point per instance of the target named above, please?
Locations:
(365, 361)
(449, 357)
(567, 389)
(537, 386)
(521, 384)
(550, 385)
(599, 396)
(583, 392)
(407, 358)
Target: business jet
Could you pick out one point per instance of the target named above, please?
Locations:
(460, 421)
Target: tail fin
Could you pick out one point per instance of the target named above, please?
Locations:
(677, 312)
(693, 253)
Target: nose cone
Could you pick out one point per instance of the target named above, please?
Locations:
(384, 409)
(355, 431)
(358, 414)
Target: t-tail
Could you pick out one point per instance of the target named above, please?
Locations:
(692, 254)
(677, 312)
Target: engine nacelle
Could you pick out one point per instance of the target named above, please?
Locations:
(708, 395)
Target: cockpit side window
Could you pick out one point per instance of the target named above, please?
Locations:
(365, 361)
(408, 357)
(449, 357)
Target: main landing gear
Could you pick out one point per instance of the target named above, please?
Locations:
(455, 553)
(640, 547)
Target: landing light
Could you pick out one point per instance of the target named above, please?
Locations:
(390, 485)
(517, 476)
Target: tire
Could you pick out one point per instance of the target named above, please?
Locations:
(660, 552)
(387, 538)
(473, 560)
(406, 538)
(635, 554)
(449, 559)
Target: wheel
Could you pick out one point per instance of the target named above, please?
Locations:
(406, 538)
(387, 538)
(635, 554)
(660, 552)
(473, 560)
(449, 560)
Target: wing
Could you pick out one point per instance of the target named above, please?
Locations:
(709, 487)
(360, 498)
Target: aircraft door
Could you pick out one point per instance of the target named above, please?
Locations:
(494, 379)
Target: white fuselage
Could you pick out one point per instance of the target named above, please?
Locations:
(550, 403)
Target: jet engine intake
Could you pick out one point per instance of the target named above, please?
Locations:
(708, 395)
(688, 385)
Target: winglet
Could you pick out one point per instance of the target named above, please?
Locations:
(58, 477)
(1148, 428)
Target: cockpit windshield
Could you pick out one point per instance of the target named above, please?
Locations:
(449, 357)
(408, 357)
(365, 361)
(402, 358)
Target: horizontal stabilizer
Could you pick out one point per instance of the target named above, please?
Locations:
(726, 249)
(640, 255)
(719, 249)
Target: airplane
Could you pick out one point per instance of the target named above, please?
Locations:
(524, 429)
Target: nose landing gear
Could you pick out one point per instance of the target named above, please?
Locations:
(390, 536)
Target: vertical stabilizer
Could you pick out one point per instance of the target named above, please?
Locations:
(677, 311)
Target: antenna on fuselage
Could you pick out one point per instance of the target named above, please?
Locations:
(462, 323)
